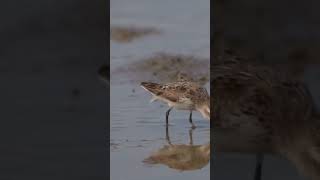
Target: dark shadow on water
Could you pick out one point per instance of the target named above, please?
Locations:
(182, 157)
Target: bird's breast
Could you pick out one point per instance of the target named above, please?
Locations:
(182, 106)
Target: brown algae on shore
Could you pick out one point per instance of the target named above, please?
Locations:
(126, 34)
(165, 67)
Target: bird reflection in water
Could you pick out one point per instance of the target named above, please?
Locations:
(182, 157)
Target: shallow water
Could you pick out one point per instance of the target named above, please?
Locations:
(138, 130)
(137, 127)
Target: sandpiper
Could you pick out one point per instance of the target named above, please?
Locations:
(184, 94)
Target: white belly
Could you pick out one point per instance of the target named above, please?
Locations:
(182, 106)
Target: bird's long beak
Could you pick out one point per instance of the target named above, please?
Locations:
(205, 111)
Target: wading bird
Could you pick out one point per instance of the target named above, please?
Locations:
(184, 94)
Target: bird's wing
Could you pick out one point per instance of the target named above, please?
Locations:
(186, 91)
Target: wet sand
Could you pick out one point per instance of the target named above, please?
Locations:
(126, 34)
(164, 67)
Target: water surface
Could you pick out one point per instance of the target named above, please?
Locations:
(137, 127)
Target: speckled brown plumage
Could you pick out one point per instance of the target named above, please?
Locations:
(179, 91)
(184, 94)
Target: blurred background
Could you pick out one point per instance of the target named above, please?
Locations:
(54, 106)
(270, 32)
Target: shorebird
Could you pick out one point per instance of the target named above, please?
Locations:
(265, 111)
(184, 94)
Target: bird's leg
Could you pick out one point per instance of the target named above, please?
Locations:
(190, 136)
(167, 116)
(190, 120)
(167, 136)
(259, 161)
